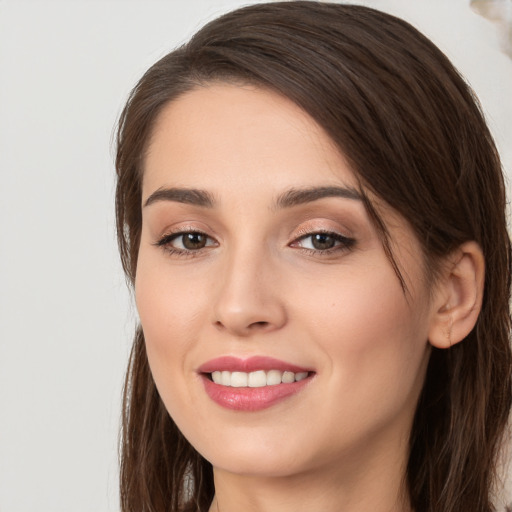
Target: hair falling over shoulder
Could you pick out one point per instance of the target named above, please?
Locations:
(415, 136)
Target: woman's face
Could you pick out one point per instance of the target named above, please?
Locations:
(260, 268)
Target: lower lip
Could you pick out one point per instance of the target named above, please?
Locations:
(251, 399)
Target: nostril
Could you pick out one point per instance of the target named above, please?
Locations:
(259, 324)
(243, 329)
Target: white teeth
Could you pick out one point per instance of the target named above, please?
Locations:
(301, 376)
(274, 377)
(288, 377)
(226, 378)
(257, 379)
(239, 380)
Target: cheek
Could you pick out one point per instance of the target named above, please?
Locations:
(362, 311)
(168, 301)
(375, 345)
(169, 313)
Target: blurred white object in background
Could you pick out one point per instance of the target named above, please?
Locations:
(500, 13)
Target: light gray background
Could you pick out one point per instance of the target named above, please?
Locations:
(66, 319)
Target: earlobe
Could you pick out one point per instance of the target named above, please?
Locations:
(458, 298)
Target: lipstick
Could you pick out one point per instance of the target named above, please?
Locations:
(252, 384)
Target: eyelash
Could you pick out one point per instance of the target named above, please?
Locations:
(165, 243)
(342, 242)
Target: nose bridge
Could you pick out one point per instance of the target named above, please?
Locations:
(248, 298)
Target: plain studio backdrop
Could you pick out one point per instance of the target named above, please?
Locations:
(66, 317)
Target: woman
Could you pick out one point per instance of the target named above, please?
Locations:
(311, 209)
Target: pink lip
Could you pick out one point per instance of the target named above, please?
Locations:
(250, 399)
(252, 364)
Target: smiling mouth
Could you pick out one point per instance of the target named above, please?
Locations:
(252, 384)
(256, 379)
(256, 390)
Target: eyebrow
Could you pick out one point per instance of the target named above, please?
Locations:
(191, 196)
(292, 197)
(299, 196)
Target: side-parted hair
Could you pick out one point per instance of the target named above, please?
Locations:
(415, 137)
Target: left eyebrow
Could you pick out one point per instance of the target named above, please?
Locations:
(182, 195)
(296, 197)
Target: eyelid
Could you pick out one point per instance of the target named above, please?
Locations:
(320, 226)
(165, 240)
(169, 237)
(185, 226)
(334, 234)
(342, 242)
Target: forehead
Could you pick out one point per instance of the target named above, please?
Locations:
(223, 134)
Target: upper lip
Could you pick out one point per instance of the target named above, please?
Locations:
(252, 364)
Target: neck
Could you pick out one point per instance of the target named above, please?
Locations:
(368, 480)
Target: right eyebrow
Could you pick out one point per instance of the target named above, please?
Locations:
(192, 196)
(294, 197)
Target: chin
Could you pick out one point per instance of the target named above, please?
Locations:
(251, 456)
(256, 465)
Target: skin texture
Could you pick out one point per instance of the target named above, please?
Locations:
(259, 287)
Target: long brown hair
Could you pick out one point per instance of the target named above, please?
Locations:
(415, 137)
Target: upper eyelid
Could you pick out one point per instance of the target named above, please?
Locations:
(184, 229)
(307, 231)
(334, 234)
(294, 235)
(170, 236)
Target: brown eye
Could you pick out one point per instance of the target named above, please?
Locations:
(322, 241)
(194, 241)
(186, 242)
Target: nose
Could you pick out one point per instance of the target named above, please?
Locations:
(250, 298)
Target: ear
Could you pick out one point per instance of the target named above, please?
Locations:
(458, 296)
